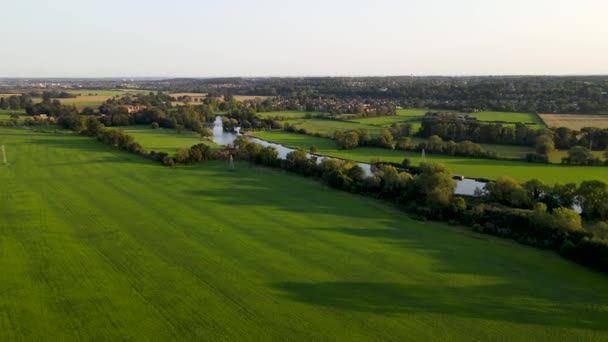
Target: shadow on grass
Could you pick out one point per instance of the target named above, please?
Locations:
(493, 302)
(292, 193)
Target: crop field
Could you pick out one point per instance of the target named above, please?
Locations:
(241, 98)
(164, 139)
(99, 244)
(469, 167)
(575, 121)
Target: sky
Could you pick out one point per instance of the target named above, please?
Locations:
(190, 38)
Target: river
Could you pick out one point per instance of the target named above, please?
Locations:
(465, 187)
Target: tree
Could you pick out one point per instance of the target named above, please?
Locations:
(566, 219)
(508, 191)
(404, 143)
(154, 125)
(92, 126)
(593, 199)
(434, 144)
(205, 132)
(535, 189)
(544, 144)
(578, 155)
(346, 140)
(313, 149)
(268, 156)
(434, 184)
(385, 139)
(182, 156)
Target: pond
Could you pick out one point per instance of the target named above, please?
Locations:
(465, 186)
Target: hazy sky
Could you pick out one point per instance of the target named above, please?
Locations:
(292, 38)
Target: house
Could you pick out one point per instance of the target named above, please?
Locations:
(135, 109)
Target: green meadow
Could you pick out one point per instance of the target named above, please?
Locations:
(164, 139)
(469, 167)
(525, 118)
(329, 127)
(98, 244)
(288, 114)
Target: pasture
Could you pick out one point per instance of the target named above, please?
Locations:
(99, 244)
(525, 118)
(164, 139)
(403, 115)
(575, 121)
(287, 114)
(469, 167)
(329, 127)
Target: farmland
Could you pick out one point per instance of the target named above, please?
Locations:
(470, 167)
(575, 121)
(241, 98)
(87, 97)
(164, 139)
(287, 114)
(329, 127)
(99, 244)
(525, 118)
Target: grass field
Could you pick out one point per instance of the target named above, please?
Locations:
(329, 127)
(403, 115)
(164, 139)
(575, 121)
(469, 167)
(288, 114)
(525, 118)
(99, 244)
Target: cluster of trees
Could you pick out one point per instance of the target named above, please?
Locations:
(397, 137)
(246, 118)
(151, 99)
(450, 127)
(592, 137)
(435, 144)
(544, 94)
(15, 102)
(53, 94)
(590, 196)
(580, 155)
(50, 108)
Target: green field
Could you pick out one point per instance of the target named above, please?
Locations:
(164, 139)
(526, 118)
(469, 167)
(329, 127)
(97, 244)
(103, 92)
(288, 114)
(403, 115)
